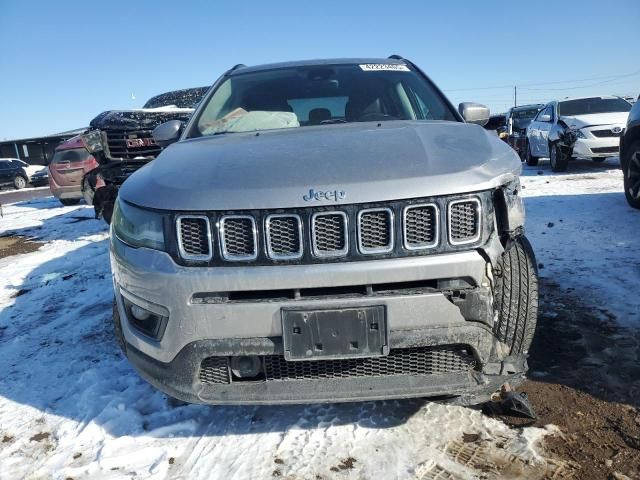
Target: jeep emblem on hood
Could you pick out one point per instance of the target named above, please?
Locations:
(335, 195)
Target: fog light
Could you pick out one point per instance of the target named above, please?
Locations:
(140, 313)
(246, 366)
(145, 321)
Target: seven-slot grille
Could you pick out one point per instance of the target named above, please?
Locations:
(375, 230)
(284, 236)
(420, 226)
(313, 235)
(141, 144)
(238, 237)
(330, 237)
(415, 361)
(464, 221)
(194, 237)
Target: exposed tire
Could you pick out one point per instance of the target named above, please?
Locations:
(117, 328)
(631, 175)
(599, 159)
(558, 157)
(19, 182)
(530, 159)
(68, 202)
(516, 296)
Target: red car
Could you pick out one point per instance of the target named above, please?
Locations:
(67, 169)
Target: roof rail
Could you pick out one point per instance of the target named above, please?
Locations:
(235, 67)
(396, 57)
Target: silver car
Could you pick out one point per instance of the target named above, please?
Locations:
(325, 231)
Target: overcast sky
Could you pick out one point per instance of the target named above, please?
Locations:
(63, 62)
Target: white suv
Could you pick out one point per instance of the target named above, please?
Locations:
(598, 123)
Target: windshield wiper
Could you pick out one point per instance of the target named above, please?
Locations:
(332, 120)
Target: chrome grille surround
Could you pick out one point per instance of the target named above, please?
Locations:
(326, 238)
(413, 227)
(463, 219)
(193, 238)
(375, 230)
(238, 237)
(282, 238)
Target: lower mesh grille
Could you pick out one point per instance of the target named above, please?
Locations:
(464, 221)
(414, 361)
(405, 361)
(215, 370)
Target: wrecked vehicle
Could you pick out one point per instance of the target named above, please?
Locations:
(577, 128)
(630, 157)
(70, 163)
(517, 120)
(340, 233)
(121, 142)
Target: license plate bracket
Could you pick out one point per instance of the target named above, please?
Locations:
(337, 333)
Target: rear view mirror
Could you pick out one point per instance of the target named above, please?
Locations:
(474, 113)
(168, 132)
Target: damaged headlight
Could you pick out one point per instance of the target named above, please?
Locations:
(138, 227)
(92, 141)
(579, 134)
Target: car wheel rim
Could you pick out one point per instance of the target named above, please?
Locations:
(633, 176)
(20, 183)
(552, 155)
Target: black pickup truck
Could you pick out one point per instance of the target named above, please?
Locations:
(121, 142)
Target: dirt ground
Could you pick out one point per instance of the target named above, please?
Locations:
(585, 379)
(15, 245)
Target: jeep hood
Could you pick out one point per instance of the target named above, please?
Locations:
(580, 121)
(138, 119)
(369, 162)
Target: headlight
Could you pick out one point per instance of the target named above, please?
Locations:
(137, 227)
(92, 141)
(579, 134)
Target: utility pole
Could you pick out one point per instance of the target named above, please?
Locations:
(515, 95)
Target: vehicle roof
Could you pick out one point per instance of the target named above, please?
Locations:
(583, 98)
(73, 142)
(528, 106)
(308, 63)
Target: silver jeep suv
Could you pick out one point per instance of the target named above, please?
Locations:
(325, 231)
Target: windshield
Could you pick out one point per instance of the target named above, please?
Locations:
(320, 95)
(187, 98)
(527, 114)
(588, 106)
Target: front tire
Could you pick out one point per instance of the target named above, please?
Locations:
(516, 296)
(530, 159)
(19, 182)
(558, 158)
(631, 175)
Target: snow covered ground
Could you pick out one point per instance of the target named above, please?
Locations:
(72, 407)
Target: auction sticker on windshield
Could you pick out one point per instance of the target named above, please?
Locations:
(375, 67)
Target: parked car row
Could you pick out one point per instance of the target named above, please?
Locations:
(18, 174)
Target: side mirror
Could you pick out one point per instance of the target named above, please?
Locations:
(474, 113)
(545, 118)
(167, 133)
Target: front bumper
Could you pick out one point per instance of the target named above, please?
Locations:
(179, 378)
(596, 147)
(422, 317)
